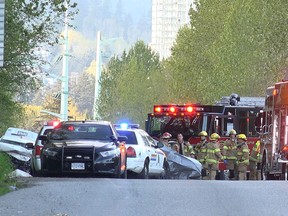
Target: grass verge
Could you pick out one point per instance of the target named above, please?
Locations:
(5, 168)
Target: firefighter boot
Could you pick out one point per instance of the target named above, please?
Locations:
(212, 175)
(242, 175)
(231, 175)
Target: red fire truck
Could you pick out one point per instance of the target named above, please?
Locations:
(231, 112)
(273, 125)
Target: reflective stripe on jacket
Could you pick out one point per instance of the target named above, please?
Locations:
(188, 150)
(200, 150)
(243, 154)
(229, 150)
(213, 154)
(255, 153)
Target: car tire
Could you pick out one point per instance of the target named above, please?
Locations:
(166, 173)
(33, 172)
(145, 172)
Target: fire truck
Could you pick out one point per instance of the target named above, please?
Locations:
(231, 112)
(273, 127)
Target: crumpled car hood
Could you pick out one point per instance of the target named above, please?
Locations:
(182, 167)
(16, 151)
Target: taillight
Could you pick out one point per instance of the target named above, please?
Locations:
(131, 152)
(38, 150)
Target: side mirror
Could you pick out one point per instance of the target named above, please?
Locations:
(29, 145)
(260, 117)
(43, 138)
(160, 145)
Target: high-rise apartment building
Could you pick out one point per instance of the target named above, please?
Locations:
(167, 17)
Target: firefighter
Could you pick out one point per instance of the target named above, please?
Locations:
(200, 148)
(213, 156)
(200, 152)
(188, 150)
(242, 156)
(229, 153)
(165, 138)
(254, 160)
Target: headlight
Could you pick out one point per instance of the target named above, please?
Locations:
(50, 152)
(108, 153)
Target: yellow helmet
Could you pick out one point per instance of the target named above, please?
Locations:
(232, 132)
(214, 136)
(242, 136)
(203, 133)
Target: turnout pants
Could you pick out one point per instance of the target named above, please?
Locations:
(212, 170)
(242, 169)
(231, 166)
(255, 172)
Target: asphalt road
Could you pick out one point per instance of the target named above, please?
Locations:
(127, 197)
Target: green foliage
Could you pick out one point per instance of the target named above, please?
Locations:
(11, 112)
(230, 46)
(5, 169)
(31, 27)
(127, 85)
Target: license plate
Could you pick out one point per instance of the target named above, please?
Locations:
(77, 166)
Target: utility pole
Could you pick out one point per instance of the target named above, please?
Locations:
(99, 70)
(65, 78)
(63, 116)
(97, 75)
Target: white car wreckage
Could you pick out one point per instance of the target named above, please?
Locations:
(18, 144)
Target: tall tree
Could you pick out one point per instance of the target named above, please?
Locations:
(229, 46)
(127, 85)
(31, 27)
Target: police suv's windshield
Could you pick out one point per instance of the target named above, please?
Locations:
(72, 132)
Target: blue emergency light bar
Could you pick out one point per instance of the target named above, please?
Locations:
(126, 126)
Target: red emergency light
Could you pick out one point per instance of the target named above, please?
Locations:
(157, 109)
(53, 123)
(190, 109)
(174, 109)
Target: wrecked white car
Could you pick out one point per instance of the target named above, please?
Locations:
(18, 144)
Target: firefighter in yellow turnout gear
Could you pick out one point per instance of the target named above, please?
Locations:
(254, 161)
(200, 148)
(230, 152)
(200, 151)
(242, 156)
(213, 155)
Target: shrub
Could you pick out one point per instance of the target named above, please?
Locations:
(5, 168)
